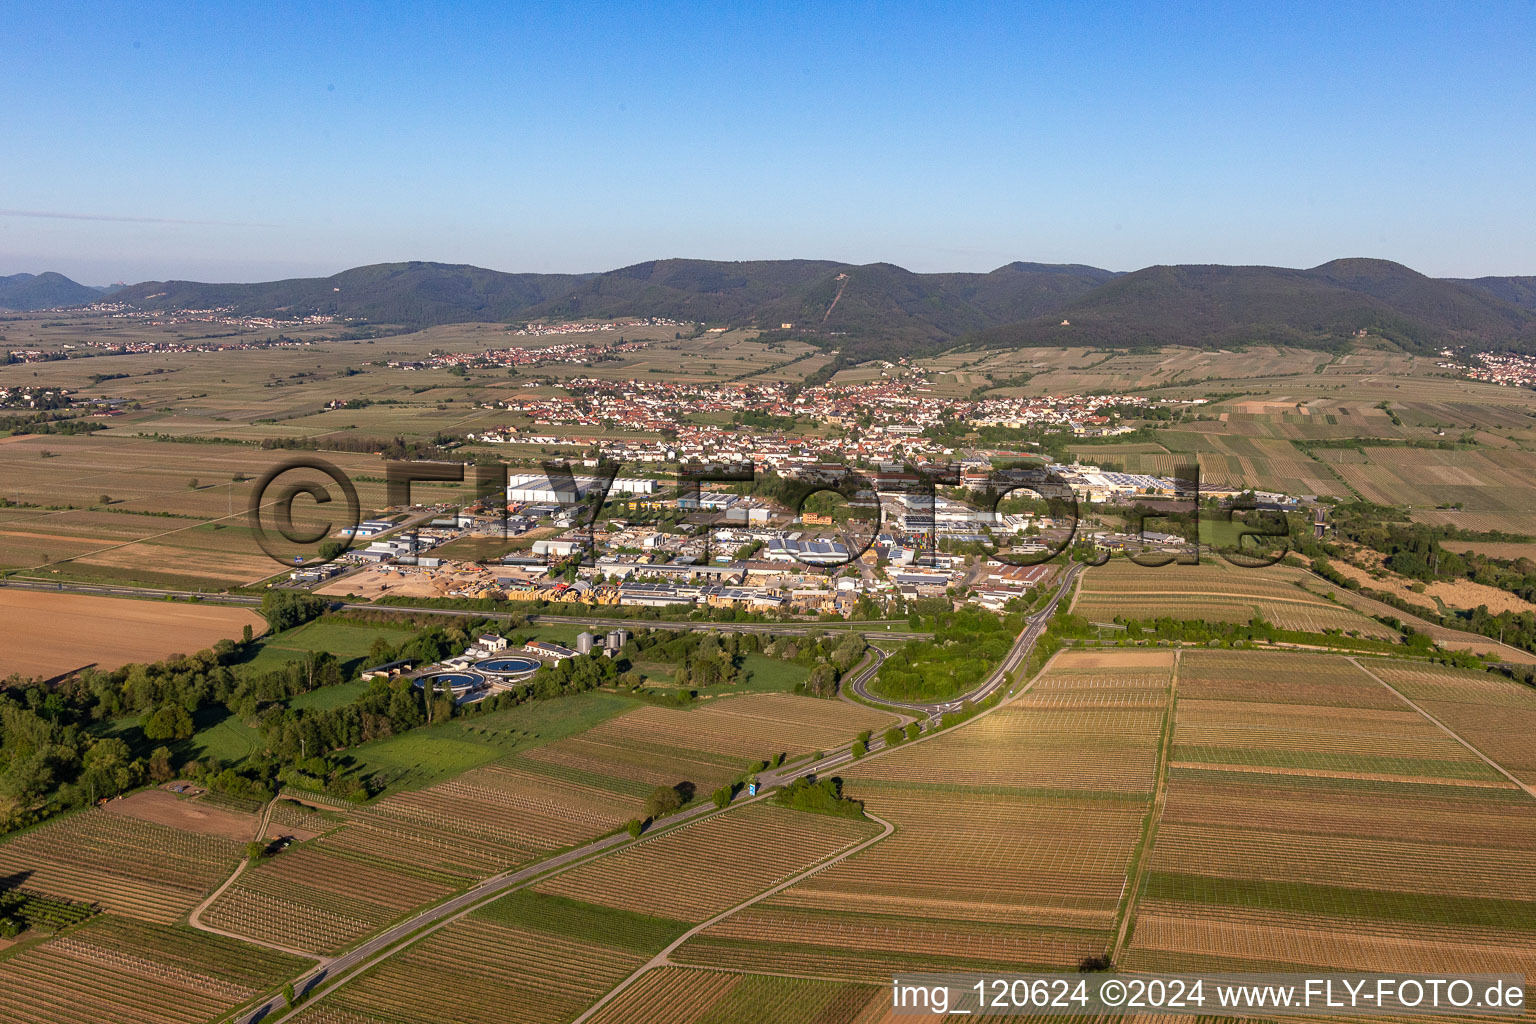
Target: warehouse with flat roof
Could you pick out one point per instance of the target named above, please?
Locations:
(538, 487)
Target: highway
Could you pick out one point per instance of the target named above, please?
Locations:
(1034, 626)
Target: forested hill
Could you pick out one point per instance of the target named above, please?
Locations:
(882, 309)
(24, 292)
(412, 294)
(1321, 307)
(874, 305)
(1520, 291)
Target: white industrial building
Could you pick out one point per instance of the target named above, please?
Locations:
(537, 487)
(822, 552)
(557, 548)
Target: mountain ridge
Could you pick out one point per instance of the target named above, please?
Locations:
(48, 290)
(883, 309)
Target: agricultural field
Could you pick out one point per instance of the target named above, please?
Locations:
(676, 995)
(1493, 480)
(116, 970)
(408, 849)
(260, 393)
(765, 673)
(1214, 591)
(1511, 521)
(307, 899)
(438, 752)
(1450, 639)
(1460, 593)
(175, 514)
(752, 848)
(1315, 819)
(107, 632)
(1225, 460)
(1512, 550)
(708, 745)
(163, 807)
(1070, 370)
(1013, 838)
(347, 639)
(1494, 714)
(416, 845)
(126, 865)
(547, 956)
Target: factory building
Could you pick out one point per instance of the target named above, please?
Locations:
(537, 487)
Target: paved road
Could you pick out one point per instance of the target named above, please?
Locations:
(250, 600)
(319, 980)
(378, 947)
(664, 958)
(1034, 626)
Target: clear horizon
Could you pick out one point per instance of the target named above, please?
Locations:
(218, 144)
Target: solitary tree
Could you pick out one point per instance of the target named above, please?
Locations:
(663, 800)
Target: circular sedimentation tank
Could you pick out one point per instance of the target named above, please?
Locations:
(509, 666)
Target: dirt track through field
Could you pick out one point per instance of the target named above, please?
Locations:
(1446, 729)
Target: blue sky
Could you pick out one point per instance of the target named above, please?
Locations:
(241, 144)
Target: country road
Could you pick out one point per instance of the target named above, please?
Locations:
(664, 958)
(328, 974)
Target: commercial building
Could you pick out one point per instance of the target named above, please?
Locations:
(538, 487)
(814, 552)
(545, 649)
(656, 595)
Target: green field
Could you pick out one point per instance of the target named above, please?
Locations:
(219, 735)
(765, 673)
(476, 549)
(419, 758)
(346, 639)
(328, 697)
(442, 751)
